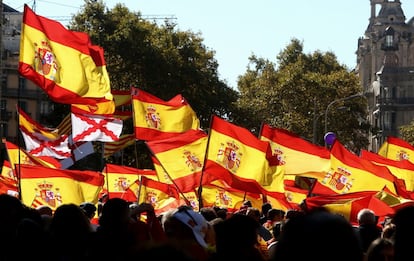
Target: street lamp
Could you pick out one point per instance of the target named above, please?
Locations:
(336, 101)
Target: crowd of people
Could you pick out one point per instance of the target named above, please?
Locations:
(131, 231)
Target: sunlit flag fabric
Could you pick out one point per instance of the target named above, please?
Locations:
(20, 156)
(63, 63)
(125, 140)
(7, 171)
(348, 205)
(296, 154)
(161, 196)
(42, 141)
(350, 173)
(402, 169)
(9, 186)
(119, 178)
(156, 119)
(182, 158)
(238, 157)
(229, 198)
(53, 187)
(397, 149)
(88, 127)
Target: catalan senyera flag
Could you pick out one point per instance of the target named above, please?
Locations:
(182, 158)
(42, 141)
(20, 156)
(402, 169)
(350, 173)
(348, 205)
(160, 195)
(54, 187)
(239, 158)
(156, 119)
(63, 63)
(125, 140)
(397, 149)
(296, 154)
(119, 178)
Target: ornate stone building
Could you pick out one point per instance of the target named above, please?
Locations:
(385, 65)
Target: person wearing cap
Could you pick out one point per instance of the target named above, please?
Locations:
(189, 232)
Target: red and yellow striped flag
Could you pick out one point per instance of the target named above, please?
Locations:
(397, 149)
(63, 63)
(156, 119)
(160, 195)
(125, 140)
(239, 158)
(348, 205)
(296, 154)
(119, 178)
(54, 187)
(350, 173)
(402, 169)
(182, 158)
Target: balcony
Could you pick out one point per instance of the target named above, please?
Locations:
(26, 94)
(5, 115)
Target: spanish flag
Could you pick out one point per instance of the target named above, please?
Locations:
(296, 154)
(119, 178)
(54, 187)
(238, 157)
(9, 186)
(397, 149)
(63, 63)
(229, 198)
(182, 158)
(156, 119)
(348, 205)
(160, 195)
(402, 169)
(350, 173)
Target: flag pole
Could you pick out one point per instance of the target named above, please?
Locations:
(200, 187)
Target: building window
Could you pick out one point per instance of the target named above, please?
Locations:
(389, 40)
(45, 107)
(23, 106)
(22, 83)
(3, 105)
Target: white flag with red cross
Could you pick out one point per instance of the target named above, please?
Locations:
(88, 127)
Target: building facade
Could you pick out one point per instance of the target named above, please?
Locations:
(385, 65)
(15, 89)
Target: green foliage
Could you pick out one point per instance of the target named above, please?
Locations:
(295, 96)
(407, 133)
(159, 59)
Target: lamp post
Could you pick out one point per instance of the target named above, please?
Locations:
(336, 101)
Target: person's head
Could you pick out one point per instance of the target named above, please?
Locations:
(185, 224)
(316, 236)
(208, 213)
(89, 209)
(45, 210)
(366, 217)
(381, 249)
(265, 208)
(275, 214)
(253, 212)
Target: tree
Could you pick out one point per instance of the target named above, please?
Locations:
(407, 132)
(295, 96)
(159, 59)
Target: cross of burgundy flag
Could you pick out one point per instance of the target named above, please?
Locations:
(88, 127)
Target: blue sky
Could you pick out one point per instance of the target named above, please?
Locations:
(237, 29)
